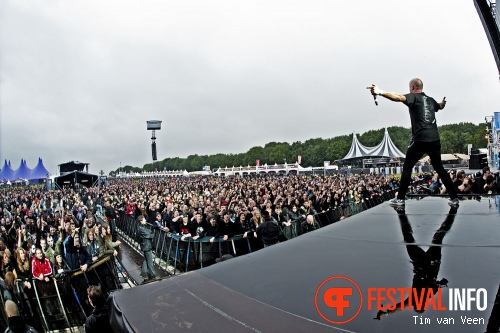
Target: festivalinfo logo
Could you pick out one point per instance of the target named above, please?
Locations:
(339, 300)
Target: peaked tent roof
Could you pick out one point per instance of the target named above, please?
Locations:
(357, 149)
(387, 148)
(39, 172)
(7, 172)
(22, 172)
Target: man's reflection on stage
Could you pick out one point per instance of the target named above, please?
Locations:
(426, 264)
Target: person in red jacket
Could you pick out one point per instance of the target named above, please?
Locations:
(131, 206)
(40, 266)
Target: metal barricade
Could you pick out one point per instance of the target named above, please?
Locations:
(172, 253)
(103, 273)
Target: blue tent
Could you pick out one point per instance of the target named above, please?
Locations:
(39, 172)
(7, 173)
(22, 172)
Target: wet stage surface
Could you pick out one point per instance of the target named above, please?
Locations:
(427, 246)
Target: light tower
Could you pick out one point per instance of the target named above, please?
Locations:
(153, 125)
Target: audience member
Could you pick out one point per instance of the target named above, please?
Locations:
(98, 320)
(15, 321)
(310, 224)
(269, 230)
(147, 271)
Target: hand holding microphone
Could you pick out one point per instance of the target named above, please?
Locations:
(374, 90)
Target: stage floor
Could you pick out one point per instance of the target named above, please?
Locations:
(297, 285)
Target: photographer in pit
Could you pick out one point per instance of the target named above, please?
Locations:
(490, 186)
(463, 183)
(486, 182)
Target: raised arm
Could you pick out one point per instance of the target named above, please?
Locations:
(395, 97)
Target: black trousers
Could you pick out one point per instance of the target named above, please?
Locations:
(415, 151)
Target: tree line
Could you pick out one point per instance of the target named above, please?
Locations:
(454, 139)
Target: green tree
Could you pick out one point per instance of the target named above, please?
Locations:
(195, 162)
(255, 153)
(447, 141)
(278, 153)
(478, 138)
(454, 139)
(337, 149)
(371, 138)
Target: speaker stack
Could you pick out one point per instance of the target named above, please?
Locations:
(477, 160)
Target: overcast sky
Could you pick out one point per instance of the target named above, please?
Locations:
(79, 79)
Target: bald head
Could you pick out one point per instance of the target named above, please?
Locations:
(416, 85)
(11, 309)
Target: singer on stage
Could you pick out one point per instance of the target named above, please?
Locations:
(425, 136)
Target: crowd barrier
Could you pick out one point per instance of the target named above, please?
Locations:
(174, 254)
(171, 250)
(61, 303)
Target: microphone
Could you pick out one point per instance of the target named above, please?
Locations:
(375, 99)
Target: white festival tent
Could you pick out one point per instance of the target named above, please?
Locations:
(386, 148)
(357, 149)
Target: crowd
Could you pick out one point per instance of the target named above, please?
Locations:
(45, 233)
(181, 205)
(223, 207)
(63, 226)
(481, 183)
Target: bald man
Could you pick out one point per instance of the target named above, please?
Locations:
(425, 136)
(16, 322)
(310, 224)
